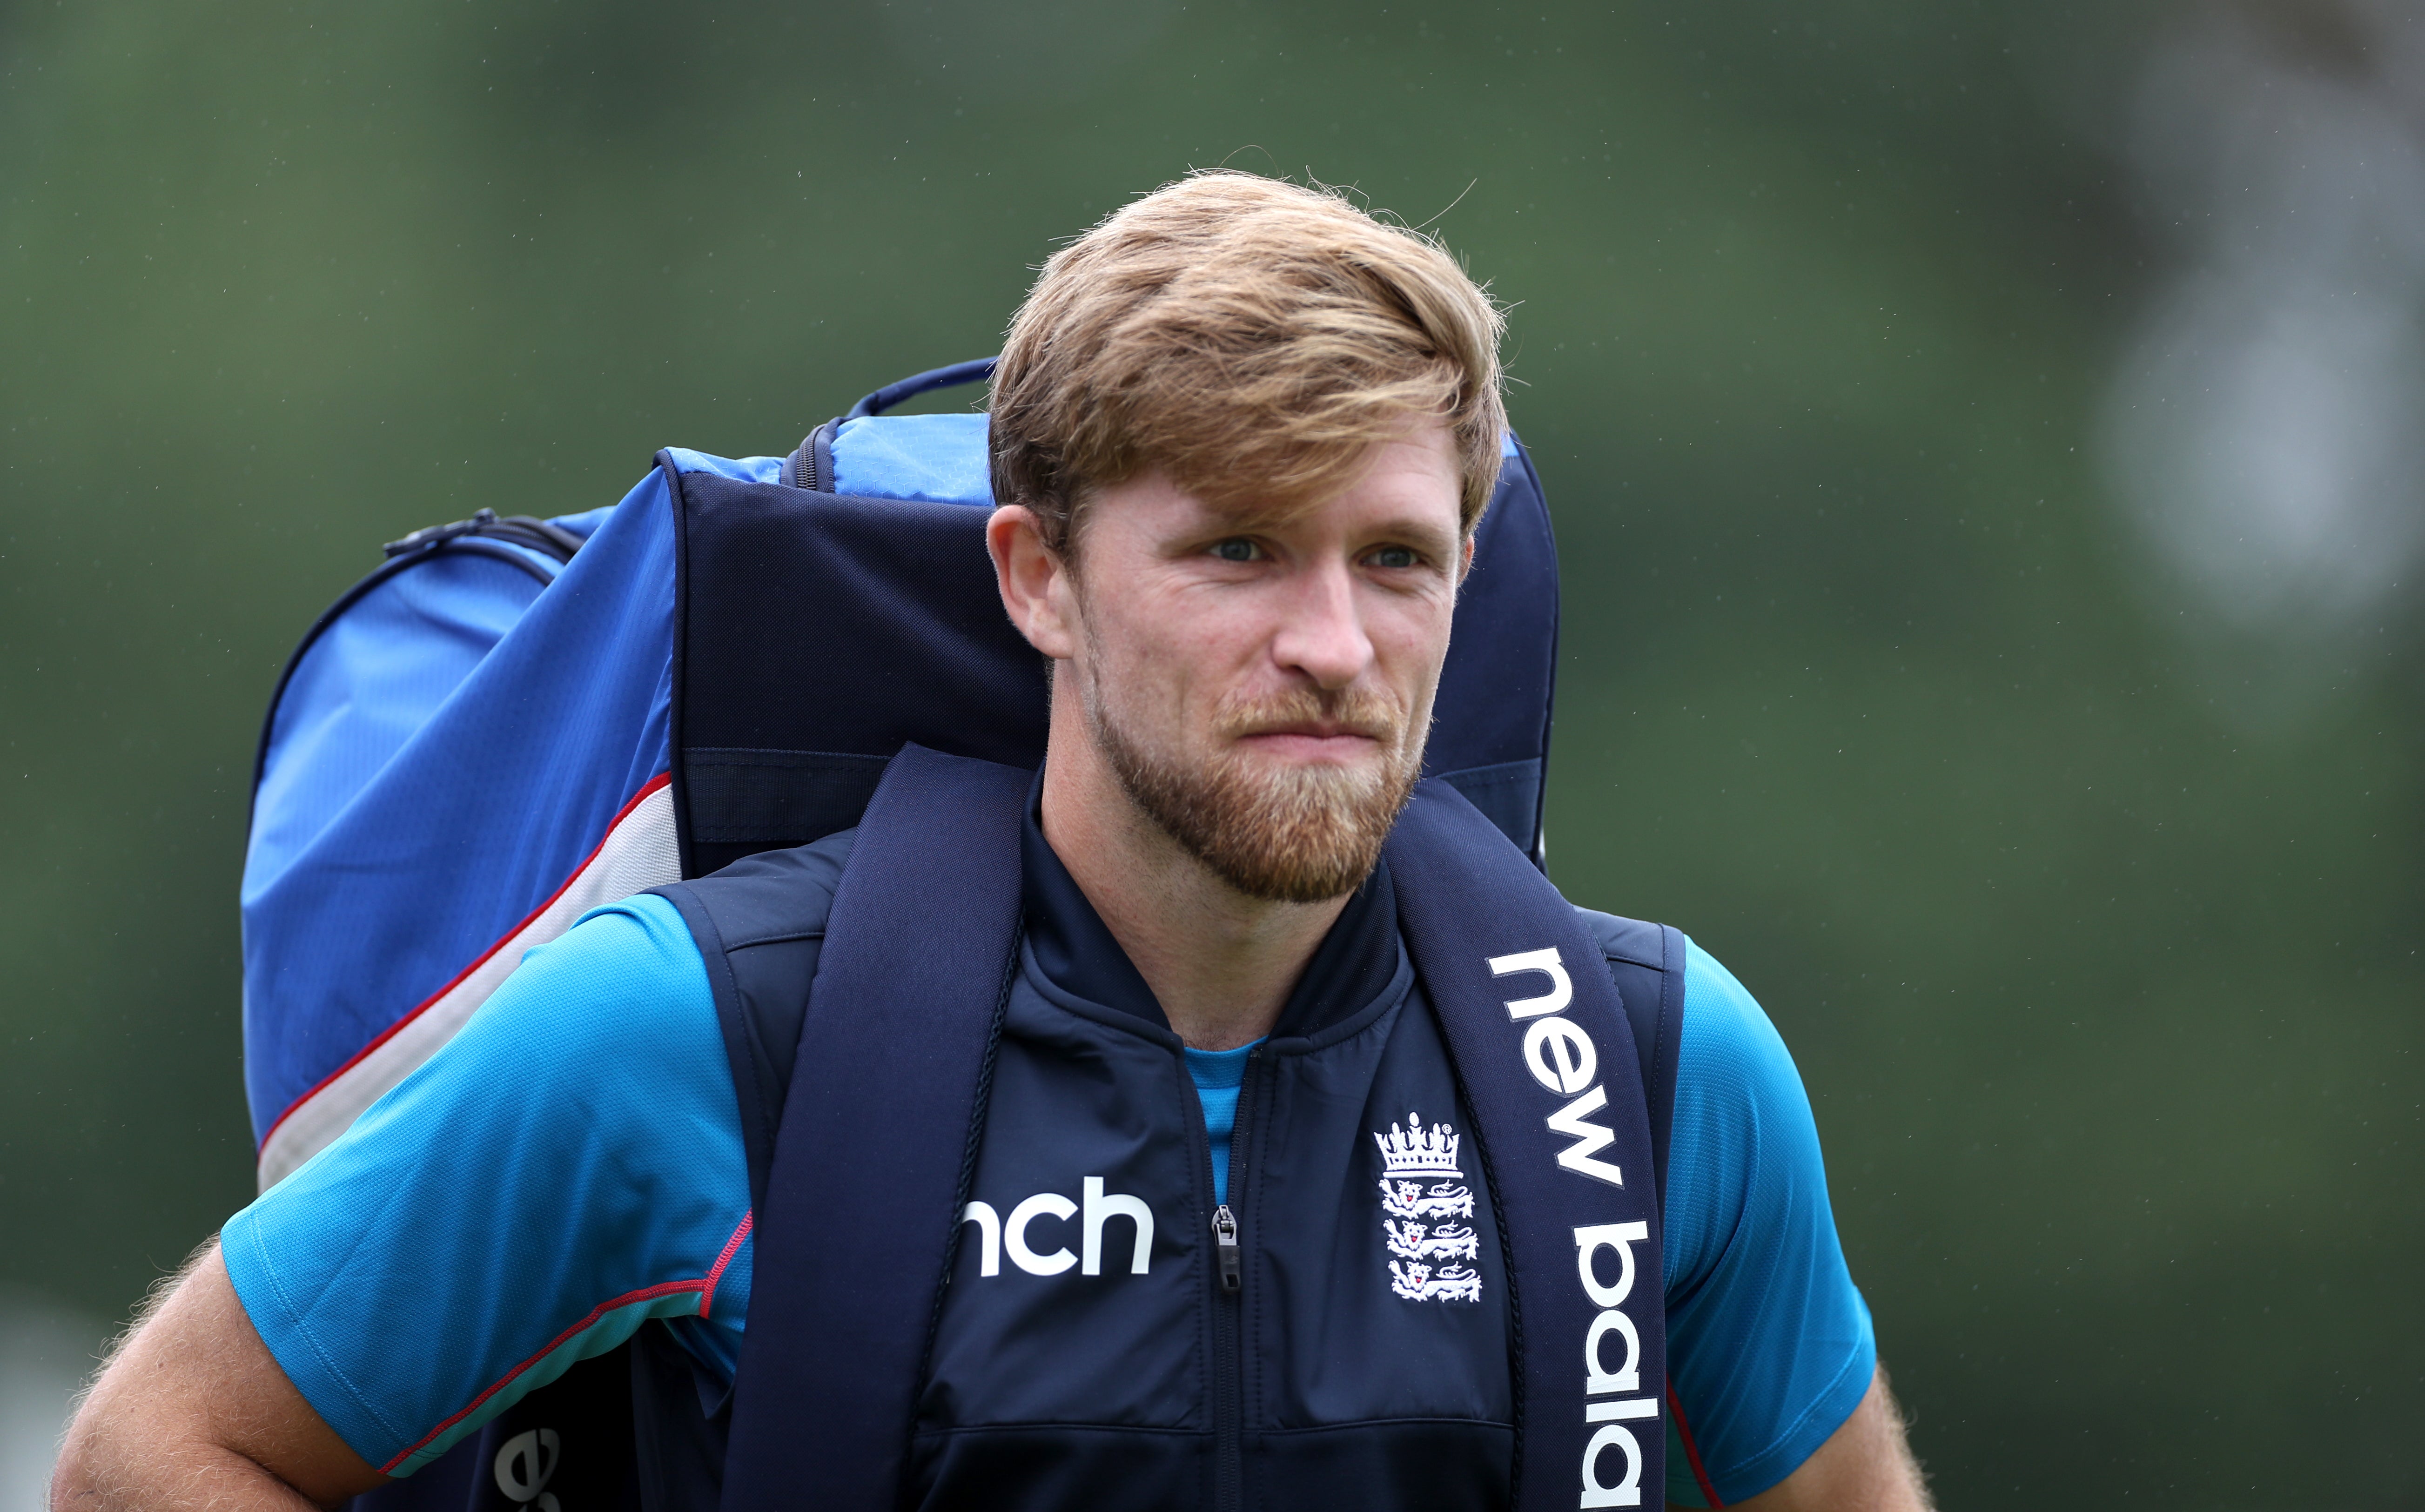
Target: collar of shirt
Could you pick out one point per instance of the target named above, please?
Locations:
(1074, 947)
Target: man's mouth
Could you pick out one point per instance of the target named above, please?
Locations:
(1315, 740)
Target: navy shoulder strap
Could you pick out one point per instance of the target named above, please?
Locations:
(877, 1138)
(1538, 1034)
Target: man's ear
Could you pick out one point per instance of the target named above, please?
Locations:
(1036, 589)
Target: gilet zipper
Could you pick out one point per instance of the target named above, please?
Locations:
(1225, 1249)
(1228, 1308)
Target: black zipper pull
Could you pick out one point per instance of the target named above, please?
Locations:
(1225, 1243)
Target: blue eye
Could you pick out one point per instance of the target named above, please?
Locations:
(1393, 556)
(1235, 550)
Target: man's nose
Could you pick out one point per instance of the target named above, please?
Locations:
(1321, 633)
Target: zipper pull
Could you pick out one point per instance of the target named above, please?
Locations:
(1225, 1243)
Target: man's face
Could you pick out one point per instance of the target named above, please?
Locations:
(1263, 686)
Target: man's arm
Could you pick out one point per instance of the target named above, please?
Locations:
(194, 1412)
(1780, 1405)
(1865, 1466)
(568, 1169)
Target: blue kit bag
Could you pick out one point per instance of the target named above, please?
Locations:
(476, 744)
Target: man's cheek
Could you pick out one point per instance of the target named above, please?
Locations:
(1413, 650)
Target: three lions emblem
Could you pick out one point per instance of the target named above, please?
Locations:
(1426, 1214)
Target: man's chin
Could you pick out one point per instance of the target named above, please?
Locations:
(1281, 817)
(1293, 831)
(1294, 782)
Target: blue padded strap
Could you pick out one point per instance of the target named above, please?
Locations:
(877, 1139)
(1544, 1055)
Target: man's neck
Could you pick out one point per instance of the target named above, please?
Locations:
(1220, 964)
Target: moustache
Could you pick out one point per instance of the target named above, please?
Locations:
(1353, 711)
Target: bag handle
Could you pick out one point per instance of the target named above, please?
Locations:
(978, 371)
(811, 464)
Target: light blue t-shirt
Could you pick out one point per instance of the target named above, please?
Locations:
(1218, 1074)
(570, 1167)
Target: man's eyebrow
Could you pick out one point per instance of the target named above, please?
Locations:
(1225, 520)
(1244, 518)
(1428, 534)
(1408, 525)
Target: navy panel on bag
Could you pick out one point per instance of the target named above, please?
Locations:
(816, 637)
(819, 633)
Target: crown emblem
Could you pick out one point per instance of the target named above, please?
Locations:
(1415, 1151)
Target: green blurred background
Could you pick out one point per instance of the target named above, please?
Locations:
(1980, 436)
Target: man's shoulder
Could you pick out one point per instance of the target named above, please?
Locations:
(768, 899)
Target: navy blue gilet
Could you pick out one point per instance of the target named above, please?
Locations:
(988, 1272)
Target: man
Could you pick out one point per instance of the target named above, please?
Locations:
(1242, 437)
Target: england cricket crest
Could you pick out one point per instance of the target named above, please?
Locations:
(1426, 1214)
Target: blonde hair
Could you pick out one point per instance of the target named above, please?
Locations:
(1251, 339)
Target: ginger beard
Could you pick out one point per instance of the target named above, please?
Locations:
(1279, 831)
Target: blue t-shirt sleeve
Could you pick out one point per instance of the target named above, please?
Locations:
(1769, 1344)
(567, 1168)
